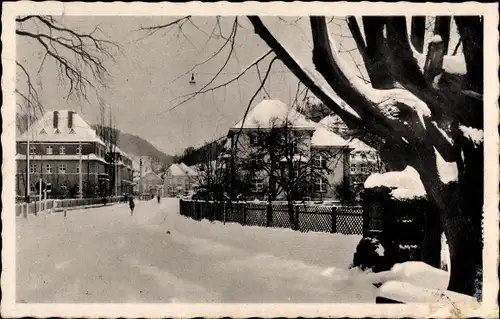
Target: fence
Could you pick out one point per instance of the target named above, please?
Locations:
(333, 219)
(40, 206)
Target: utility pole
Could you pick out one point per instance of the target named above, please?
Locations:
(140, 175)
(28, 159)
(80, 190)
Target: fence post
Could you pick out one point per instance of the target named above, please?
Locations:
(333, 214)
(296, 219)
(25, 212)
(224, 212)
(244, 213)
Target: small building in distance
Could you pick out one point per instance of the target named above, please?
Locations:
(151, 183)
(175, 180)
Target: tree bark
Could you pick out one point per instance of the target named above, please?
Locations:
(376, 53)
(418, 32)
(442, 28)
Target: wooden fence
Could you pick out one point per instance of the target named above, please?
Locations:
(305, 217)
(60, 204)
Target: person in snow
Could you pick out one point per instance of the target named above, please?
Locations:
(131, 204)
(158, 198)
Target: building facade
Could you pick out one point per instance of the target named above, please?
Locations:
(151, 183)
(314, 162)
(178, 180)
(64, 149)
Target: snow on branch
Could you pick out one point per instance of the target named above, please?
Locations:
(453, 64)
(381, 107)
(306, 77)
(474, 135)
(448, 171)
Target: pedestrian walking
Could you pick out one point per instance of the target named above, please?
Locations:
(158, 197)
(131, 204)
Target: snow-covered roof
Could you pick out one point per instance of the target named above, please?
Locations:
(151, 173)
(323, 136)
(273, 112)
(187, 170)
(406, 184)
(43, 130)
(175, 170)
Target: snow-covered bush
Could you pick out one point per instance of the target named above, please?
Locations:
(400, 225)
(371, 255)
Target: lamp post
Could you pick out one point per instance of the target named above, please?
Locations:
(80, 191)
(27, 197)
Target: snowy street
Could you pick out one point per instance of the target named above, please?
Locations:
(105, 255)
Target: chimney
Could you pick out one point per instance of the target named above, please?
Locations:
(56, 119)
(70, 119)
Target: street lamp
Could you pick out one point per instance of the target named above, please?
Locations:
(192, 81)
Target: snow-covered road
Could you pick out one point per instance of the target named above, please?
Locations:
(106, 255)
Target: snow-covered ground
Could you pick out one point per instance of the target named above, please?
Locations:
(106, 255)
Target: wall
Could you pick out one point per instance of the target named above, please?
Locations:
(337, 170)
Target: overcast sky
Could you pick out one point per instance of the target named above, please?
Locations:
(144, 84)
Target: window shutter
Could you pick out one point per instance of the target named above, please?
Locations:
(56, 119)
(70, 119)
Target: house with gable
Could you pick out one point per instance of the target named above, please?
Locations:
(58, 143)
(151, 183)
(175, 180)
(313, 147)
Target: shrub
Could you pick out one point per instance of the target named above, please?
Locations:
(371, 255)
(345, 193)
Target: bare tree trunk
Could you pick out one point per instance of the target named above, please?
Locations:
(418, 32)
(442, 28)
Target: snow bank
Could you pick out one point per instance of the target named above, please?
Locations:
(448, 171)
(406, 184)
(410, 293)
(475, 135)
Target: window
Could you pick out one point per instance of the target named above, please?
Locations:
(77, 169)
(64, 187)
(321, 161)
(293, 147)
(32, 188)
(253, 139)
(258, 185)
(321, 184)
(78, 149)
(62, 169)
(62, 149)
(32, 149)
(32, 168)
(48, 169)
(49, 150)
(255, 161)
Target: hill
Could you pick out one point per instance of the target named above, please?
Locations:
(137, 146)
(192, 156)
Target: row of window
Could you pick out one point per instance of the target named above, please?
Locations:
(320, 185)
(63, 186)
(49, 150)
(257, 160)
(49, 169)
